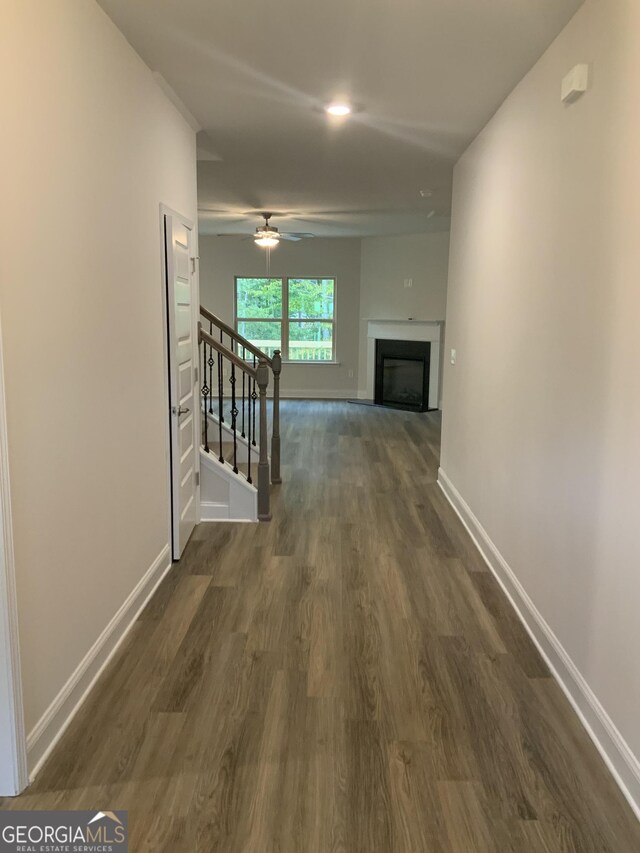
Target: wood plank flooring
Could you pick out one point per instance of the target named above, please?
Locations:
(345, 679)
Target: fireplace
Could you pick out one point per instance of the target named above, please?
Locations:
(402, 374)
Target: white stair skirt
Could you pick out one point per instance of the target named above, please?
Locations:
(224, 495)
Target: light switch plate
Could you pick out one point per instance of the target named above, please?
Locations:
(454, 355)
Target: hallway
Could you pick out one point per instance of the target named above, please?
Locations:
(347, 677)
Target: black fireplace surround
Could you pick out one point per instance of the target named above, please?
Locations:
(402, 374)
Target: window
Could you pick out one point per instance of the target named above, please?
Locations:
(295, 315)
(259, 312)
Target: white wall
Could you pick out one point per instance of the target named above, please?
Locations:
(542, 409)
(386, 263)
(90, 148)
(223, 258)
(370, 275)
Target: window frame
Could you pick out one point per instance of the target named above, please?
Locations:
(285, 319)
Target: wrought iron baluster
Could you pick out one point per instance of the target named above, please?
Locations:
(210, 363)
(249, 451)
(254, 397)
(220, 418)
(206, 390)
(244, 359)
(221, 410)
(234, 415)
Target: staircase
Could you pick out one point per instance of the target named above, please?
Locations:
(236, 469)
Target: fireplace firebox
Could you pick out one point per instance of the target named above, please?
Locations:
(402, 374)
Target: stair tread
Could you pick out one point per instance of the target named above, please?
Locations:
(227, 453)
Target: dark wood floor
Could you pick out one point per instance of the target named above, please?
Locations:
(345, 679)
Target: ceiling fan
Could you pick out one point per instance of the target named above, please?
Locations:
(268, 236)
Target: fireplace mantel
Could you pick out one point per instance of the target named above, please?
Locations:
(406, 330)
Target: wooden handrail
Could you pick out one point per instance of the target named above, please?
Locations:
(227, 353)
(229, 330)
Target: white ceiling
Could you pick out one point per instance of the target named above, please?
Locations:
(427, 74)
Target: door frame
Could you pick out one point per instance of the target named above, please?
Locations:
(13, 742)
(165, 211)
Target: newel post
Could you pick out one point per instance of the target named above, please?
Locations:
(276, 364)
(264, 486)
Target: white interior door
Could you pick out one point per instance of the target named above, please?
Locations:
(183, 398)
(13, 743)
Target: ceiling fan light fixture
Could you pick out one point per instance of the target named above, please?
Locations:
(266, 241)
(339, 108)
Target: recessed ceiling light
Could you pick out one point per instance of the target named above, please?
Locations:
(338, 109)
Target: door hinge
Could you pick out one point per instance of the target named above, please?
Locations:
(193, 263)
(196, 372)
(197, 478)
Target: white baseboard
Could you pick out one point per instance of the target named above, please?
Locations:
(617, 755)
(53, 723)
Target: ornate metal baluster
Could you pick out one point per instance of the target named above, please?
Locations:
(221, 411)
(234, 415)
(220, 418)
(210, 363)
(249, 451)
(254, 397)
(244, 359)
(205, 393)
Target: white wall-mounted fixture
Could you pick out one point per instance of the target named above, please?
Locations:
(408, 282)
(454, 355)
(575, 84)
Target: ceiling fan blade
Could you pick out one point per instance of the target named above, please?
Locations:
(205, 214)
(313, 221)
(296, 235)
